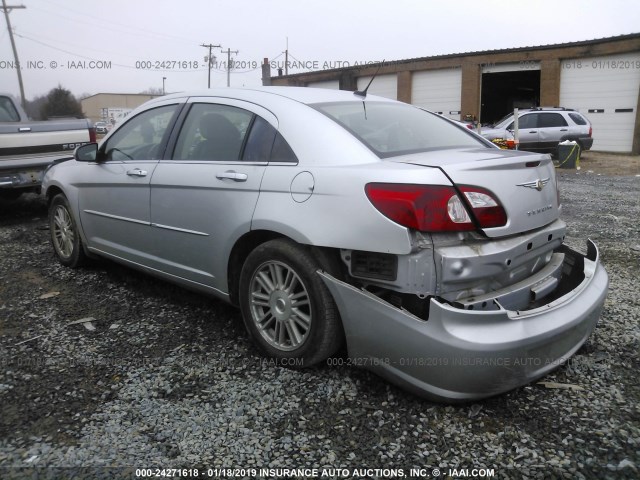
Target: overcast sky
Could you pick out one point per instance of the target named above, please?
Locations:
(120, 45)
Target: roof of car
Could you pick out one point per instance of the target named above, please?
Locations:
(307, 95)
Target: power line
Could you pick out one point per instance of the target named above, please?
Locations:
(134, 30)
(7, 9)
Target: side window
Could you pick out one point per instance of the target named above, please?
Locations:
(552, 120)
(141, 136)
(265, 144)
(259, 142)
(282, 152)
(528, 121)
(212, 132)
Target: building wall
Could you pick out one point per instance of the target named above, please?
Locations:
(92, 106)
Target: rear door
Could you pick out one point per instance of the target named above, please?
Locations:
(552, 129)
(204, 192)
(114, 192)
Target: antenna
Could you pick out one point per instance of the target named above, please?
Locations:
(363, 93)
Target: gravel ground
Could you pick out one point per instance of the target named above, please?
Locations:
(110, 370)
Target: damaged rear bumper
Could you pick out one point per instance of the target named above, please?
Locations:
(463, 355)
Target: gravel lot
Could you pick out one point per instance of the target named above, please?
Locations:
(161, 377)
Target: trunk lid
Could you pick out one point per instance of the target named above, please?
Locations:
(524, 183)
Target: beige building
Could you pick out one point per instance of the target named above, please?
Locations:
(104, 106)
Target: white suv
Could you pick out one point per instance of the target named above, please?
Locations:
(542, 128)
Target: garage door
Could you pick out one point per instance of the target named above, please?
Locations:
(383, 86)
(605, 89)
(438, 91)
(331, 84)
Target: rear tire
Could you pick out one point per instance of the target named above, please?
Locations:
(287, 310)
(65, 236)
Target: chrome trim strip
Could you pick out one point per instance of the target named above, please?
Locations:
(117, 217)
(183, 230)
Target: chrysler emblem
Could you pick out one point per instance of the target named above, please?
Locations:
(537, 184)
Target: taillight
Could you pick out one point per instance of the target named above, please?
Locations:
(590, 130)
(436, 208)
(488, 212)
(92, 134)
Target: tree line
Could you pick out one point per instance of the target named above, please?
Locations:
(59, 102)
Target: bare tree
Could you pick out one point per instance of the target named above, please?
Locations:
(152, 91)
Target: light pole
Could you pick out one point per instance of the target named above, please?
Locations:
(163, 79)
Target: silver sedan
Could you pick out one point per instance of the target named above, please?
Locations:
(330, 217)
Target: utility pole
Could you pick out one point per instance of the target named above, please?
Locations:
(7, 9)
(229, 52)
(286, 58)
(210, 46)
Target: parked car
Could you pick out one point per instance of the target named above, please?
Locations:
(102, 127)
(329, 217)
(542, 129)
(27, 147)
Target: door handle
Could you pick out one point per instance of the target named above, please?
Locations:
(231, 175)
(564, 129)
(136, 172)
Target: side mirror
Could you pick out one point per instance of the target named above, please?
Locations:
(86, 153)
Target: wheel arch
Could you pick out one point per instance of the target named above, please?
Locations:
(52, 191)
(50, 194)
(328, 258)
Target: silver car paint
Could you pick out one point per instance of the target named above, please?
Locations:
(502, 172)
(321, 202)
(461, 355)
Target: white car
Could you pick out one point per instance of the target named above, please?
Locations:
(101, 127)
(332, 217)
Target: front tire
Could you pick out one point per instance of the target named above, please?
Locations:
(286, 308)
(65, 236)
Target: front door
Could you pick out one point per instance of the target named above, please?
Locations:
(114, 191)
(528, 132)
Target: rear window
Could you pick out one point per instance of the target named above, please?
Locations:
(8, 113)
(392, 129)
(579, 119)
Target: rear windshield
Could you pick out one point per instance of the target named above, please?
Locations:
(8, 112)
(392, 129)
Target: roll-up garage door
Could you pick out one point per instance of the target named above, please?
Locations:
(331, 84)
(383, 86)
(605, 90)
(438, 91)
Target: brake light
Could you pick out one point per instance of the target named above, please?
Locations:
(590, 130)
(487, 210)
(92, 134)
(436, 208)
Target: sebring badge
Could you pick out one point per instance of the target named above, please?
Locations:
(537, 184)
